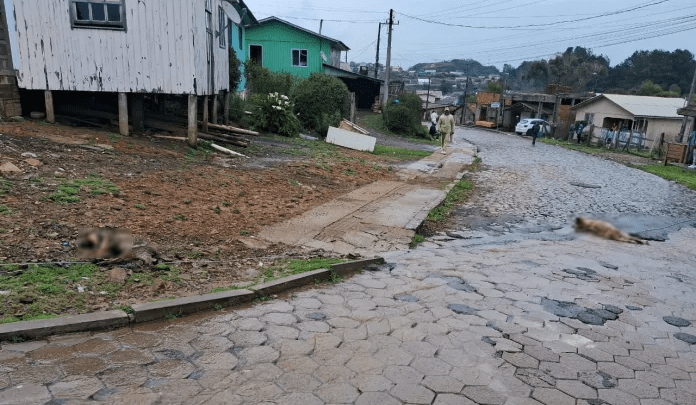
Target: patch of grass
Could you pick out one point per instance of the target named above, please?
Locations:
(114, 137)
(68, 190)
(376, 122)
(349, 172)
(174, 316)
(5, 210)
(140, 206)
(5, 186)
(225, 204)
(187, 202)
(293, 183)
(400, 153)
(228, 288)
(684, 177)
(44, 291)
(217, 210)
(180, 217)
(141, 278)
(335, 277)
(458, 193)
(244, 232)
(417, 240)
(194, 254)
(219, 307)
(127, 309)
(291, 267)
(173, 275)
(322, 165)
(263, 298)
(3, 230)
(235, 211)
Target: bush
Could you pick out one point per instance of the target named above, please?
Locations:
(237, 108)
(402, 116)
(273, 113)
(260, 80)
(321, 100)
(235, 72)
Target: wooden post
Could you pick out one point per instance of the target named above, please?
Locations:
(50, 114)
(123, 114)
(138, 111)
(226, 108)
(539, 112)
(216, 107)
(352, 107)
(206, 117)
(161, 103)
(192, 120)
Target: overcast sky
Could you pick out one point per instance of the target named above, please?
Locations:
(496, 31)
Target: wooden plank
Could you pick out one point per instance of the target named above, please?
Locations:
(192, 120)
(50, 113)
(206, 121)
(123, 114)
(216, 108)
(228, 128)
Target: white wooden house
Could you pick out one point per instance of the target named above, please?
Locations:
(128, 47)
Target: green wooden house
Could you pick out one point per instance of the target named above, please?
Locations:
(284, 47)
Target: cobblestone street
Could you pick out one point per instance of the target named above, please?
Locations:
(509, 308)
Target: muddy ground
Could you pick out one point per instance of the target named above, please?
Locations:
(198, 209)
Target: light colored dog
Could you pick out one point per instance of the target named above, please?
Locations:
(605, 230)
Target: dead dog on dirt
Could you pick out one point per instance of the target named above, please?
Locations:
(114, 245)
(605, 230)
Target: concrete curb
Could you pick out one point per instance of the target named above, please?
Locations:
(152, 311)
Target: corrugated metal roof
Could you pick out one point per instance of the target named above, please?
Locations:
(689, 110)
(336, 42)
(643, 106)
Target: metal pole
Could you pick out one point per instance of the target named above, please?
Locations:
(688, 102)
(321, 24)
(388, 65)
(427, 99)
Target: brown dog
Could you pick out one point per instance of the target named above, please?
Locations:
(605, 230)
(104, 243)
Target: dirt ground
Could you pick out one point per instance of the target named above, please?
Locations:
(198, 209)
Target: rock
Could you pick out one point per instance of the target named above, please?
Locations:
(17, 118)
(118, 275)
(37, 115)
(33, 162)
(462, 309)
(685, 337)
(29, 155)
(675, 321)
(9, 168)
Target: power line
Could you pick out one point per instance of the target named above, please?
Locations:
(539, 24)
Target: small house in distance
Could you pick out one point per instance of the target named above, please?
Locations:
(647, 117)
(124, 50)
(281, 46)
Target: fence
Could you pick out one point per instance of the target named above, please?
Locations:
(638, 138)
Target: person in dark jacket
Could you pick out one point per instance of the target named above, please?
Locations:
(535, 132)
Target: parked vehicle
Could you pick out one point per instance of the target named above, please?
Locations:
(526, 124)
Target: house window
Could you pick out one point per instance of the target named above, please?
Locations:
(299, 57)
(108, 14)
(221, 30)
(256, 54)
(240, 31)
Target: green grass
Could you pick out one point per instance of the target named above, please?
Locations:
(68, 190)
(139, 206)
(400, 153)
(293, 183)
(173, 275)
(376, 122)
(349, 172)
(5, 210)
(458, 193)
(5, 187)
(417, 240)
(43, 292)
(684, 177)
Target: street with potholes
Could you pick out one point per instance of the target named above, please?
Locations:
(508, 307)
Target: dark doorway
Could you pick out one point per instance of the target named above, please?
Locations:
(256, 54)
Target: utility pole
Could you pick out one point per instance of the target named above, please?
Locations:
(388, 65)
(379, 33)
(466, 104)
(427, 100)
(321, 24)
(688, 102)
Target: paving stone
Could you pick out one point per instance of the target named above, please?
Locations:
(654, 402)
(28, 394)
(638, 388)
(372, 383)
(403, 375)
(617, 397)
(689, 386)
(687, 365)
(686, 337)
(76, 387)
(412, 393)
(248, 338)
(365, 364)
(376, 398)
(259, 391)
(594, 354)
(420, 349)
(632, 363)
(535, 378)
(451, 399)
(126, 376)
(337, 393)
(470, 376)
(577, 362)
(217, 361)
(297, 382)
(551, 396)
(655, 379)
(300, 398)
(444, 384)
(576, 389)
(392, 356)
(260, 354)
(670, 372)
(677, 396)
(676, 321)
(541, 353)
(615, 370)
(299, 364)
(431, 366)
(521, 360)
(483, 395)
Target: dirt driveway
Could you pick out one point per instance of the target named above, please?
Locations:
(198, 209)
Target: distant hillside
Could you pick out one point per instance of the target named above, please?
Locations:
(468, 66)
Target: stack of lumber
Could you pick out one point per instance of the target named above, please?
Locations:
(227, 134)
(485, 124)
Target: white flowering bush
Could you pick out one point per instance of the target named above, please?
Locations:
(273, 113)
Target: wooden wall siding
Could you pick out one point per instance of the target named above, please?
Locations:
(162, 51)
(278, 40)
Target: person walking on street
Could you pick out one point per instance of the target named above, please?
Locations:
(433, 117)
(446, 127)
(535, 133)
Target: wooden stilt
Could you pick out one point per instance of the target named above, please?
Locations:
(216, 107)
(138, 112)
(206, 118)
(226, 108)
(50, 114)
(123, 114)
(193, 120)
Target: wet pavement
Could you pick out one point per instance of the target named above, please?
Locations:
(512, 308)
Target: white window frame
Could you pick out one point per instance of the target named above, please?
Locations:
(299, 58)
(222, 19)
(96, 24)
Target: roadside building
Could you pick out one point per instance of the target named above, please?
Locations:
(126, 50)
(9, 92)
(651, 120)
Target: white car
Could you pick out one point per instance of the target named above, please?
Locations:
(527, 124)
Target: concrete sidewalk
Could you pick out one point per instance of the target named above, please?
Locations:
(380, 216)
